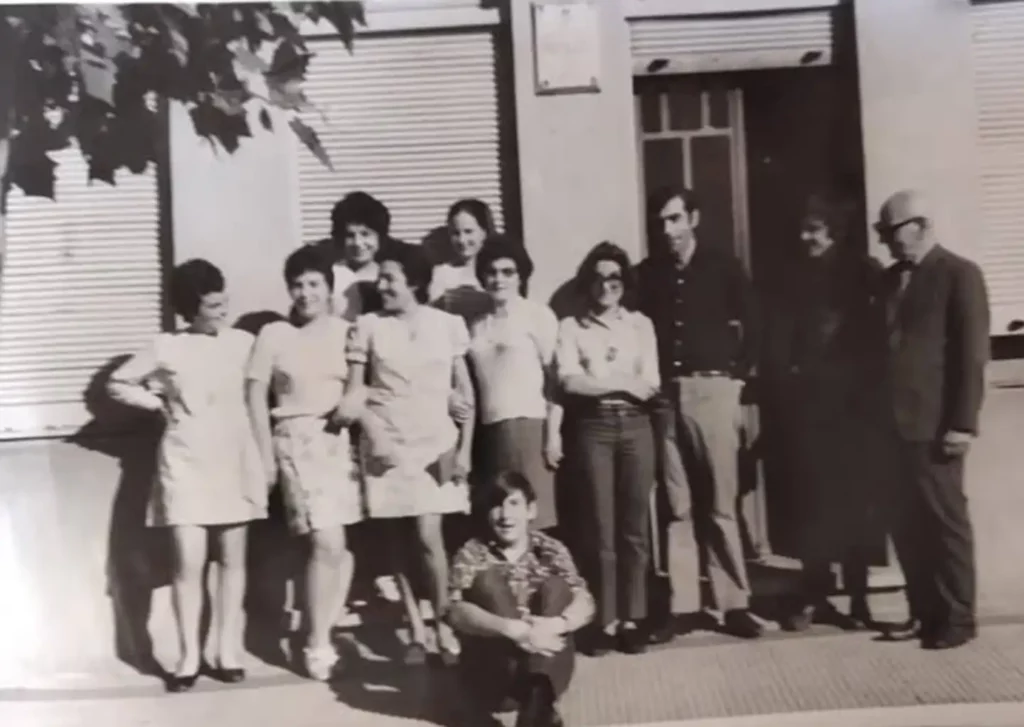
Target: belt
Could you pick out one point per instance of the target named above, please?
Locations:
(703, 375)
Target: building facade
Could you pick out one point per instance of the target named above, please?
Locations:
(753, 102)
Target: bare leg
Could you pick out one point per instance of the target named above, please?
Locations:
(402, 555)
(232, 542)
(190, 543)
(432, 551)
(329, 577)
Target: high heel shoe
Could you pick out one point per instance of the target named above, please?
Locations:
(176, 683)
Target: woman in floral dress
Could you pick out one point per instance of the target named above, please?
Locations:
(302, 360)
(405, 362)
(209, 483)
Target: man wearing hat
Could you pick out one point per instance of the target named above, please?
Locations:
(938, 315)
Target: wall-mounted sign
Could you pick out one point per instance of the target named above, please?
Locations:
(567, 51)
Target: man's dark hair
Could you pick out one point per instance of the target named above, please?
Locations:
(500, 487)
(190, 283)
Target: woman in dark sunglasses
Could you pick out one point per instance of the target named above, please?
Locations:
(607, 362)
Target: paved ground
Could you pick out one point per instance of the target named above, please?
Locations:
(698, 678)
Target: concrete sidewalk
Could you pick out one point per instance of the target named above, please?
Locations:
(805, 677)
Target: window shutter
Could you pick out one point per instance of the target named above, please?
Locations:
(81, 286)
(998, 42)
(412, 119)
(743, 41)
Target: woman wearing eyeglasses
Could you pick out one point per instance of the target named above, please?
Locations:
(512, 353)
(607, 362)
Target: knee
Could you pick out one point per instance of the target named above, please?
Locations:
(553, 597)
(329, 546)
(490, 591)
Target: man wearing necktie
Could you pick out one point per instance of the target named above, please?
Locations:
(938, 314)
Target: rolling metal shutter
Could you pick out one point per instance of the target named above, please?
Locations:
(81, 286)
(746, 41)
(998, 41)
(412, 119)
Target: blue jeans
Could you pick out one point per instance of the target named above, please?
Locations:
(613, 450)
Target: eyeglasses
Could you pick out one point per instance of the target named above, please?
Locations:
(614, 279)
(883, 229)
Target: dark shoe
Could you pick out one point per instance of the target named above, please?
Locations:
(537, 708)
(828, 614)
(741, 624)
(177, 684)
(861, 613)
(798, 621)
(661, 633)
(906, 631)
(950, 639)
(632, 641)
(448, 657)
(227, 676)
(597, 643)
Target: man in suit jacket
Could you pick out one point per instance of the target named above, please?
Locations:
(938, 348)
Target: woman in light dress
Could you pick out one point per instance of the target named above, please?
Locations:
(512, 351)
(455, 286)
(405, 363)
(209, 482)
(302, 361)
(607, 362)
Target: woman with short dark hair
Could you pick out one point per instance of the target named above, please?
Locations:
(302, 360)
(405, 362)
(512, 351)
(360, 228)
(607, 361)
(209, 483)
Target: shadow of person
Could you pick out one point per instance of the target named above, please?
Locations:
(254, 322)
(381, 684)
(139, 558)
(438, 245)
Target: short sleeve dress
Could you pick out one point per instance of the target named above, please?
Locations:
(410, 364)
(306, 369)
(208, 466)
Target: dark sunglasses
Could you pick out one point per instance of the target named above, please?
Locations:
(614, 278)
(884, 229)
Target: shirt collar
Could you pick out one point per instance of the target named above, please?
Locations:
(499, 552)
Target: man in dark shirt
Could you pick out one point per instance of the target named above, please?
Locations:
(703, 309)
(516, 599)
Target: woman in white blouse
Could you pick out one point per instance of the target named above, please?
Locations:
(455, 285)
(512, 351)
(302, 360)
(607, 362)
(209, 483)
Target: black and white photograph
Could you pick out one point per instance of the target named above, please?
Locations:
(512, 363)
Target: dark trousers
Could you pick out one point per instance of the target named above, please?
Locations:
(614, 451)
(495, 670)
(934, 539)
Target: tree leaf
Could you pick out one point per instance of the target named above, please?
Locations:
(230, 101)
(265, 121)
(98, 76)
(344, 16)
(31, 170)
(187, 8)
(249, 60)
(311, 139)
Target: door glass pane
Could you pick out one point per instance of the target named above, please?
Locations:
(664, 163)
(712, 181)
(718, 104)
(650, 112)
(684, 108)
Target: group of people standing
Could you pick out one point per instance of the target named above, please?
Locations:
(406, 391)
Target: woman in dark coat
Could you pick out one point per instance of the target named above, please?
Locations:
(826, 389)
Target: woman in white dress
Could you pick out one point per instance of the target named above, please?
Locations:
(209, 483)
(455, 287)
(302, 361)
(405, 363)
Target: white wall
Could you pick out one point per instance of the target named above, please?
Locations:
(236, 210)
(577, 156)
(917, 103)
